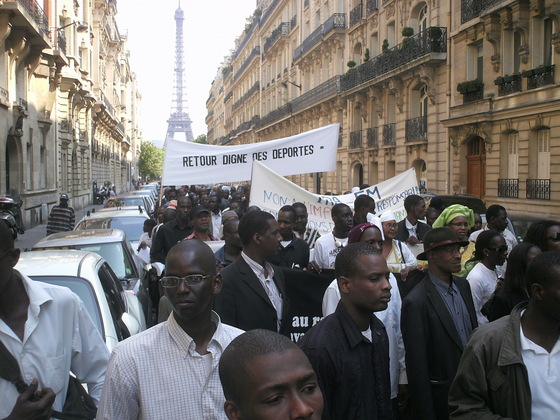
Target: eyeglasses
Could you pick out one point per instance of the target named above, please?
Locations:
(555, 238)
(502, 249)
(172, 282)
(459, 224)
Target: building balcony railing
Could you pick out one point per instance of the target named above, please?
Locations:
(108, 106)
(244, 126)
(355, 140)
(356, 14)
(317, 94)
(508, 187)
(282, 30)
(246, 38)
(309, 42)
(541, 76)
(390, 134)
(473, 96)
(336, 21)
(473, 8)
(255, 88)
(228, 96)
(255, 52)
(268, 11)
(373, 137)
(417, 129)
(276, 115)
(59, 40)
(293, 22)
(37, 13)
(508, 84)
(371, 6)
(538, 189)
(431, 40)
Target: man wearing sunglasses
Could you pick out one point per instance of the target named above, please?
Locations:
(171, 370)
(437, 319)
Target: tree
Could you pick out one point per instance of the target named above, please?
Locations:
(201, 139)
(150, 163)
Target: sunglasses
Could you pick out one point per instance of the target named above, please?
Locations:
(502, 249)
(171, 282)
(555, 238)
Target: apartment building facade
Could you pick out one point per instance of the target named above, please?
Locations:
(68, 103)
(423, 84)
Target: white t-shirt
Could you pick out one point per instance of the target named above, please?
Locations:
(483, 283)
(327, 248)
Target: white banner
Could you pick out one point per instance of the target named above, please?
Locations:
(270, 191)
(193, 163)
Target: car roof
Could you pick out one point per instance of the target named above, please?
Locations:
(471, 201)
(58, 263)
(123, 211)
(81, 237)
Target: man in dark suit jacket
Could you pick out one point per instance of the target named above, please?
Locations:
(254, 292)
(437, 320)
(415, 207)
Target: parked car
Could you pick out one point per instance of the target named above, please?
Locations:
(471, 201)
(146, 193)
(112, 245)
(519, 223)
(152, 188)
(131, 200)
(128, 219)
(115, 313)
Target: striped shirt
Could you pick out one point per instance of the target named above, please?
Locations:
(61, 219)
(158, 374)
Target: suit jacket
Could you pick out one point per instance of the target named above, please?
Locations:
(433, 347)
(243, 302)
(402, 233)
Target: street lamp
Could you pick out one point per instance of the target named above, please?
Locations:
(81, 27)
(285, 85)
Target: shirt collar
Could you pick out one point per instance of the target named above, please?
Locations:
(408, 224)
(37, 295)
(256, 267)
(185, 341)
(351, 330)
(441, 285)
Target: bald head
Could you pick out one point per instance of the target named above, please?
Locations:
(192, 250)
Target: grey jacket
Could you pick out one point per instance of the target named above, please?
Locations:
(492, 381)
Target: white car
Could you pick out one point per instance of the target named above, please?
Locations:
(116, 313)
(128, 219)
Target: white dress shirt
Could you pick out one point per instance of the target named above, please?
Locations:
(216, 224)
(268, 284)
(158, 374)
(543, 369)
(391, 318)
(59, 337)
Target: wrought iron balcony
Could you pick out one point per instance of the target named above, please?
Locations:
(356, 14)
(508, 187)
(255, 52)
(282, 29)
(317, 94)
(293, 22)
(37, 13)
(417, 129)
(336, 21)
(228, 96)
(389, 134)
(371, 6)
(508, 84)
(59, 41)
(473, 8)
(355, 140)
(244, 126)
(245, 38)
(431, 40)
(255, 88)
(373, 138)
(473, 96)
(309, 42)
(541, 76)
(276, 115)
(268, 11)
(538, 189)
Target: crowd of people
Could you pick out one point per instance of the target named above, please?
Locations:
(436, 316)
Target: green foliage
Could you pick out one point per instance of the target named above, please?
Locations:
(201, 139)
(366, 56)
(351, 64)
(407, 31)
(150, 163)
(385, 46)
(470, 86)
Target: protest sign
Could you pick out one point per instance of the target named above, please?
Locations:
(270, 191)
(193, 163)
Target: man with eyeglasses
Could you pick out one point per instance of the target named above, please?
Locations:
(438, 317)
(411, 230)
(171, 370)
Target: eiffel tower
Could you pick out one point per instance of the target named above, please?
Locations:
(179, 120)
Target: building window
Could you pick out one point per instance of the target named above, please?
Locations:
(543, 154)
(475, 61)
(508, 186)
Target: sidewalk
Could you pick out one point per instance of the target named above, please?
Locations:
(33, 235)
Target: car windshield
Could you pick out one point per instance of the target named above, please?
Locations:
(128, 201)
(132, 226)
(114, 255)
(84, 290)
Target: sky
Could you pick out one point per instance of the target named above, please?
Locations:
(209, 32)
